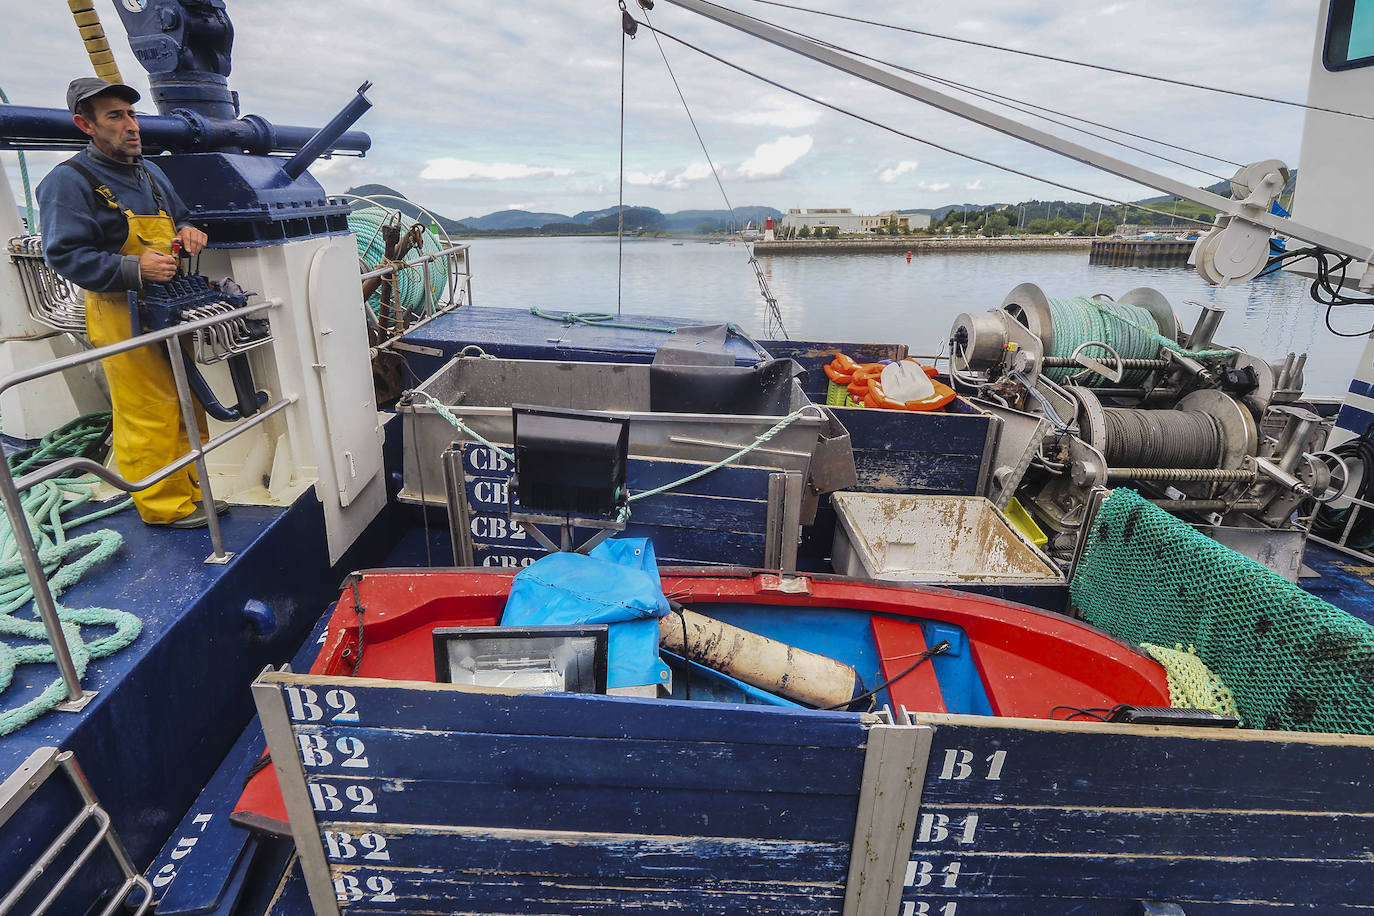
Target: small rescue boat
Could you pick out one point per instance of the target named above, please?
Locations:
(913, 648)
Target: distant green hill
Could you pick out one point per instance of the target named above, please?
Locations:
(513, 219)
(592, 221)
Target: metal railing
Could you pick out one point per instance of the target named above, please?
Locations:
(458, 287)
(454, 254)
(10, 488)
(19, 788)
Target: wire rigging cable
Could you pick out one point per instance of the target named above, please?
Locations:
(1066, 60)
(1014, 103)
(901, 133)
(1011, 98)
(625, 33)
(774, 312)
(1025, 108)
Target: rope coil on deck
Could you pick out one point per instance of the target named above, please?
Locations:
(65, 560)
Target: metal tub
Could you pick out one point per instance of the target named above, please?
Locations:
(961, 541)
(480, 393)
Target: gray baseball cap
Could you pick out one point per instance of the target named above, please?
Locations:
(86, 87)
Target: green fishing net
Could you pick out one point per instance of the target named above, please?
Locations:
(1292, 661)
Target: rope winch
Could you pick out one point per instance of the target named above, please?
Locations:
(1132, 333)
(414, 291)
(1162, 438)
(1208, 429)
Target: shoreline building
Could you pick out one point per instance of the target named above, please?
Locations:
(846, 220)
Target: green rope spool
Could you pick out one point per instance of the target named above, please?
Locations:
(1128, 329)
(65, 560)
(410, 298)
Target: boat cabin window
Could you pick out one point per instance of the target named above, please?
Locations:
(1349, 35)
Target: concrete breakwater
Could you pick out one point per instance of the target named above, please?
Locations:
(918, 245)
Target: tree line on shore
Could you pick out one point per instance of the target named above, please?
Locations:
(1038, 217)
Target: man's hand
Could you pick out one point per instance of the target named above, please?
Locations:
(156, 267)
(192, 239)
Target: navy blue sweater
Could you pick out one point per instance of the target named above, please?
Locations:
(82, 234)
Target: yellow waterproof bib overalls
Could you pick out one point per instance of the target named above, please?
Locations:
(148, 429)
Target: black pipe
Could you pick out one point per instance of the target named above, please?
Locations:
(27, 128)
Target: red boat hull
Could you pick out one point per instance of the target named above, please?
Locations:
(1032, 663)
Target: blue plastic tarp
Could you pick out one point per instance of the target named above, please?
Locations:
(617, 584)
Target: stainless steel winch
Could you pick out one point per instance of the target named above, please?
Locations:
(1102, 392)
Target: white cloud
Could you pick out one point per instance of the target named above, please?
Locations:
(974, 185)
(448, 169)
(340, 172)
(892, 173)
(663, 180)
(524, 205)
(771, 159)
(933, 186)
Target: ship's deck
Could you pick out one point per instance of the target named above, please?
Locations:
(190, 664)
(1343, 580)
(181, 687)
(518, 334)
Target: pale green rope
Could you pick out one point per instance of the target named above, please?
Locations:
(597, 319)
(1167, 343)
(759, 441)
(24, 178)
(65, 560)
(411, 297)
(458, 424)
(1128, 329)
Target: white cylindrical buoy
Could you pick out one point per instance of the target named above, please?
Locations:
(759, 661)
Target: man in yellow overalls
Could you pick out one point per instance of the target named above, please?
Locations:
(109, 218)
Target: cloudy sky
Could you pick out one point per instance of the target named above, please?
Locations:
(489, 106)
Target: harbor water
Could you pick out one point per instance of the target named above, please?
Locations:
(882, 297)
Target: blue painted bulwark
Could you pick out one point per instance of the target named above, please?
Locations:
(168, 708)
(429, 797)
(436, 798)
(1094, 819)
(897, 451)
(209, 864)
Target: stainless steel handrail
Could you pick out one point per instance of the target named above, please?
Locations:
(124, 346)
(10, 489)
(423, 259)
(20, 787)
(58, 468)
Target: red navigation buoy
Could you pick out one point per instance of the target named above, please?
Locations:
(908, 257)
